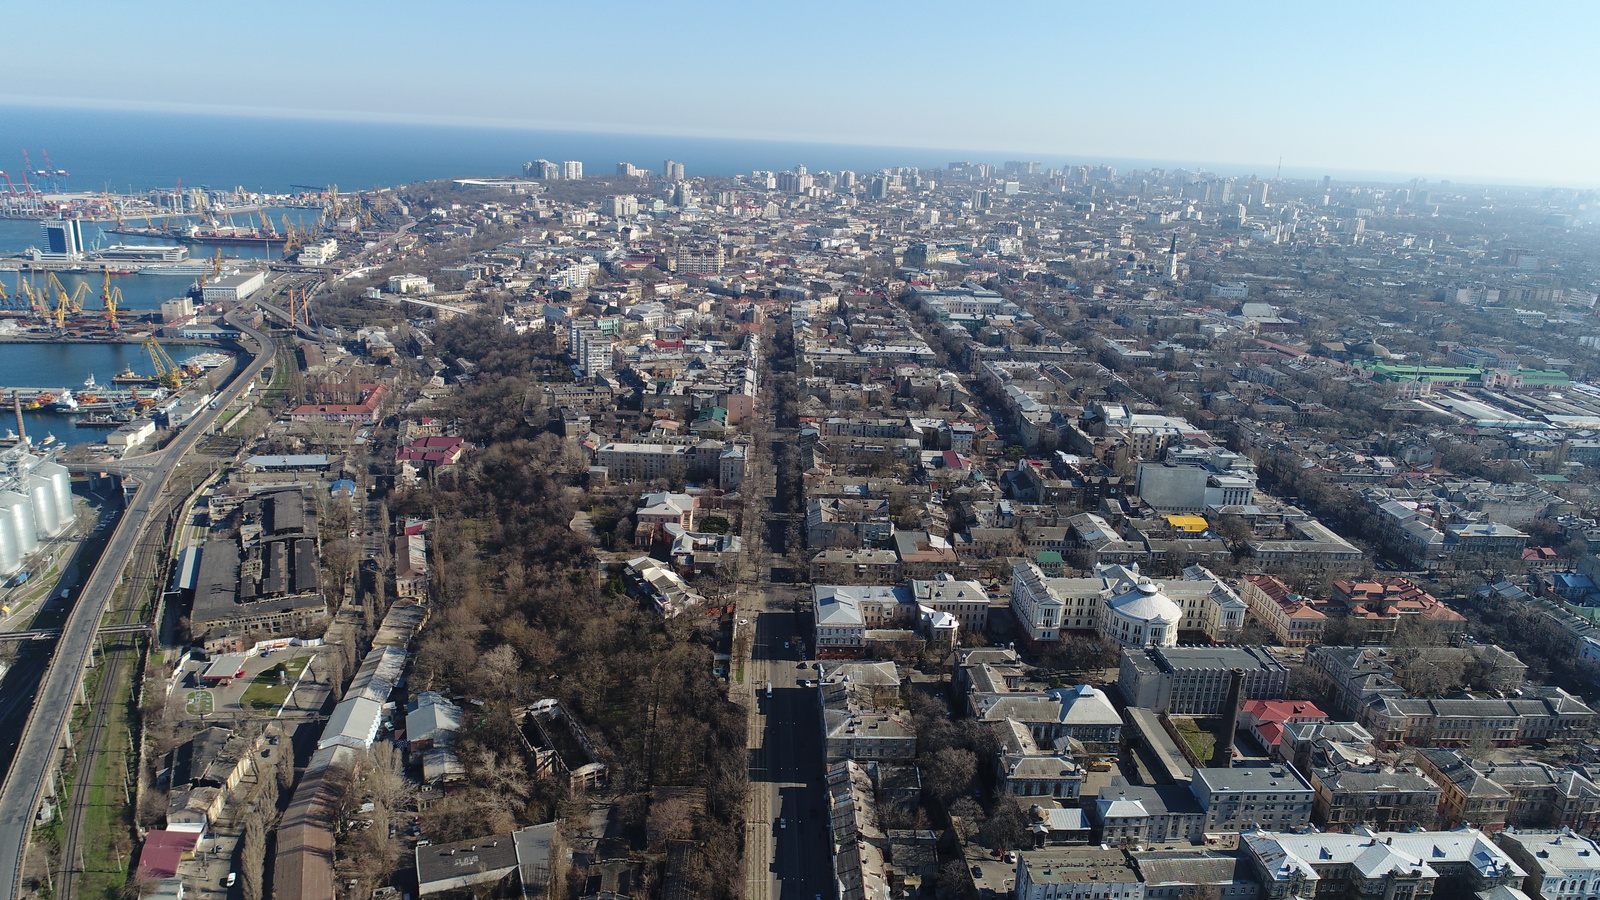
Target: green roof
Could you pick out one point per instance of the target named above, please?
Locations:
(1557, 479)
(1048, 556)
(1401, 372)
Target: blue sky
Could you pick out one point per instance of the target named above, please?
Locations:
(1464, 89)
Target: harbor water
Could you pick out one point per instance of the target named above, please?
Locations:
(67, 366)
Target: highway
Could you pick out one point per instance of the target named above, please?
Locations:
(43, 734)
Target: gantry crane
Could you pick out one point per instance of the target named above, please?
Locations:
(167, 372)
(58, 177)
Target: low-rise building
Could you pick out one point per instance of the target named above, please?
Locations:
(1077, 873)
(1273, 797)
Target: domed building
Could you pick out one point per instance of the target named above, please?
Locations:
(1142, 617)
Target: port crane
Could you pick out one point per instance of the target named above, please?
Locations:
(111, 296)
(58, 177)
(67, 302)
(167, 372)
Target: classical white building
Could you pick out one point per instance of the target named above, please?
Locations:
(1115, 602)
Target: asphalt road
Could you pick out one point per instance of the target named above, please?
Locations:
(43, 734)
(787, 839)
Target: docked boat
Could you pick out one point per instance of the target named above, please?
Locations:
(210, 360)
(64, 402)
(103, 421)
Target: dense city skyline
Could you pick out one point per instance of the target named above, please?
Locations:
(1425, 90)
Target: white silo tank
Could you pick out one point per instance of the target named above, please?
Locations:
(10, 546)
(17, 510)
(60, 489)
(44, 506)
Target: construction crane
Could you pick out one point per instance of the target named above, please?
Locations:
(167, 372)
(266, 222)
(111, 206)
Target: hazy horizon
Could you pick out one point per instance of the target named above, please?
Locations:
(1434, 90)
(916, 156)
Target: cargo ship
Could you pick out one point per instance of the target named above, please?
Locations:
(195, 235)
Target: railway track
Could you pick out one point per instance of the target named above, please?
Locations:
(144, 569)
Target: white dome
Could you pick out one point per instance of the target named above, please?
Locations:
(1146, 603)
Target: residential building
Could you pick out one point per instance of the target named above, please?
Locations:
(968, 601)
(861, 715)
(1378, 607)
(1561, 865)
(1291, 618)
(1372, 797)
(1525, 794)
(1368, 865)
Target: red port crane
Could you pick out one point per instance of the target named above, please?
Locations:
(58, 176)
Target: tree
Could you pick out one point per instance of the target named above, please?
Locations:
(948, 773)
(1007, 825)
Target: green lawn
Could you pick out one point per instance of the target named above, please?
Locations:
(269, 689)
(1198, 734)
(199, 703)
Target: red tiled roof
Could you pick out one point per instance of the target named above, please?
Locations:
(162, 850)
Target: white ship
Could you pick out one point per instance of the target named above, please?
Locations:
(209, 360)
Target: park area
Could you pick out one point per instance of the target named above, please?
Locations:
(268, 690)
